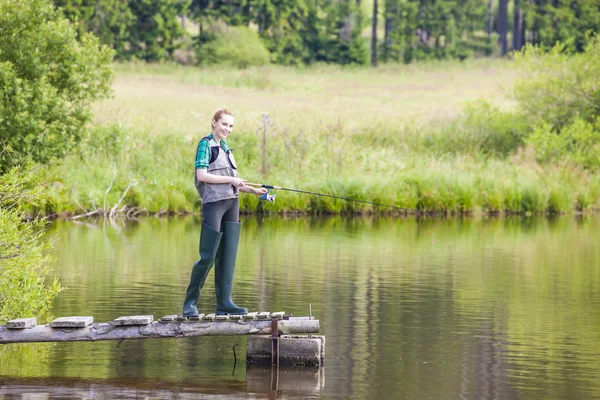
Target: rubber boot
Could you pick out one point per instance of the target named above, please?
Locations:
(225, 269)
(209, 244)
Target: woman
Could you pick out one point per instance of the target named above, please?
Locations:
(217, 182)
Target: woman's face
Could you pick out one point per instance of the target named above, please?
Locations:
(223, 126)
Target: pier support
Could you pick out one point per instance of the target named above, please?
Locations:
(293, 350)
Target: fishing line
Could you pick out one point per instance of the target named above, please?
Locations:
(271, 198)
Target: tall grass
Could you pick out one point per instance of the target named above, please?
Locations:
(161, 171)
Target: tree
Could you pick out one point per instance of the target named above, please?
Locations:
(518, 35)
(111, 22)
(374, 35)
(565, 21)
(503, 24)
(48, 80)
(156, 32)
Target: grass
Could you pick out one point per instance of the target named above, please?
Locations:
(410, 136)
(176, 99)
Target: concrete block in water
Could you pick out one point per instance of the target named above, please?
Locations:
(268, 379)
(72, 322)
(134, 320)
(293, 350)
(21, 323)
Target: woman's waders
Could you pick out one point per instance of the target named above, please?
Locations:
(209, 244)
(220, 249)
(225, 269)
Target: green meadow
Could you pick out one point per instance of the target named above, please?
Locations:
(437, 137)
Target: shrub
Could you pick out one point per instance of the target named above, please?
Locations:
(24, 291)
(558, 87)
(577, 142)
(47, 80)
(237, 46)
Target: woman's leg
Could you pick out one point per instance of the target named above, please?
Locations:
(232, 210)
(225, 260)
(210, 238)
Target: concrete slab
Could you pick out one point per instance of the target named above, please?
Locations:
(21, 323)
(72, 322)
(134, 320)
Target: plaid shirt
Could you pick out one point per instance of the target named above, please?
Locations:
(203, 152)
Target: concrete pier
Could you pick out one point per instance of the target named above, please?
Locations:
(292, 350)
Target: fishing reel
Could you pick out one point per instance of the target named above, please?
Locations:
(268, 197)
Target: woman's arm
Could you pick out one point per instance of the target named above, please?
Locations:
(204, 176)
(256, 191)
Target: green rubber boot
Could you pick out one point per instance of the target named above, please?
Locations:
(209, 244)
(225, 269)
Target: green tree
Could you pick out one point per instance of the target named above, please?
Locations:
(281, 25)
(24, 287)
(566, 21)
(109, 20)
(48, 79)
(156, 33)
(111, 23)
(78, 12)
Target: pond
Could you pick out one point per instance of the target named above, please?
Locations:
(474, 308)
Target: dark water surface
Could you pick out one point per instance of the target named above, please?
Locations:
(411, 309)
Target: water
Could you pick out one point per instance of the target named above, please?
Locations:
(411, 309)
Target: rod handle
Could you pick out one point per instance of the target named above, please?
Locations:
(260, 185)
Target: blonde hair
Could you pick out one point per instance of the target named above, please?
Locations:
(220, 113)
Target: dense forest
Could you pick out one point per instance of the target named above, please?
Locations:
(291, 32)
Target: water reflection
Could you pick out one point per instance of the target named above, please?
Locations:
(429, 308)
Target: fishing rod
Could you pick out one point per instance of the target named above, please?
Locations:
(271, 197)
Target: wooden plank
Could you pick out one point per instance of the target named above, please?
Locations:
(108, 331)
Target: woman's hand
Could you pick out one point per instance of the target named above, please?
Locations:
(238, 182)
(260, 191)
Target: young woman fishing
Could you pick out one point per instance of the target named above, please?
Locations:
(217, 182)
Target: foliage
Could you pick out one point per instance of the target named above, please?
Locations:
(237, 46)
(155, 32)
(562, 21)
(481, 128)
(157, 171)
(422, 30)
(162, 166)
(558, 87)
(24, 290)
(47, 81)
(560, 92)
(309, 31)
(578, 142)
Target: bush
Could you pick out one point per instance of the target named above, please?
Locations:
(23, 288)
(47, 80)
(578, 142)
(558, 87)
(237, 46)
